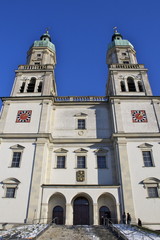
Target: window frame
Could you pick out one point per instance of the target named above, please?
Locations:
(152, 194)
(83, 126)
(151, 158)
(9, 195)
(16, 148)
(10, 183)
(64, 158)
(80, 166)
(98, 167)
(14, 161)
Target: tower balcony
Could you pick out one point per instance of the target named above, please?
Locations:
(126, 66)
(36, 67)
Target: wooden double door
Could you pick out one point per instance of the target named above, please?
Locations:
(81, 211)
(57, 215)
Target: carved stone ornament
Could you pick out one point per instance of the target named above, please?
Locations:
(80, 176)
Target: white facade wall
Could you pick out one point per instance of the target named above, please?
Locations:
(129, 126)
(93, 175)
(15, 209)
(97, 118)
(147, 209)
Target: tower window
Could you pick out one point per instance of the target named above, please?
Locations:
(38, 55)
(40, 87)
(131, 85)
(125, 62)
(140, 87)
(124, 54)
(22, 87)
(31, 85)
(81, 124)
(123, 88)
(37, 63)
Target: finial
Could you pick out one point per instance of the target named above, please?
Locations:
(47, 29)
(115, 29)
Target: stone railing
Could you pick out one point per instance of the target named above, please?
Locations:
(81, 99)
(36, 67)
(128, 66)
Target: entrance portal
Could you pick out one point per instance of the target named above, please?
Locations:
(58, 215)
(81, 211)
(104, 213)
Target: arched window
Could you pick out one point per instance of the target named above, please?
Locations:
(31, 85)
(123, 87)
(131, 84)
(22, 87)
(40, 87)
(140, 87)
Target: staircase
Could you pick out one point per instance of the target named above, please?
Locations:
(61, 232)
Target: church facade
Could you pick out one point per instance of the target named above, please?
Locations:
(78, 160)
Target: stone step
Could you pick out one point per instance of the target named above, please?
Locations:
(61, 232)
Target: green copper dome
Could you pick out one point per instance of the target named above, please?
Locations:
(117, 40)
(45, 41)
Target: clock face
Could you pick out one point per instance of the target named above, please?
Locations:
(24, 116)
(139, 116)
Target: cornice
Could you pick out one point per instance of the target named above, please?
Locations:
(51, 139)
(135, 135)
(79, 186)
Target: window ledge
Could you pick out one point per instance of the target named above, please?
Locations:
(80, 168)
(102, 168)
(82, 129)
(13, 167)
(147, 166)
(59, 168)
(9, 197)
(153, 197)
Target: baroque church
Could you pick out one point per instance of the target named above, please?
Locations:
(77, 160)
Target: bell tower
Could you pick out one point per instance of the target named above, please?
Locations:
(126, 76)
(36, 78)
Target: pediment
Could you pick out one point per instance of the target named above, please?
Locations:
(61, 150)
(151, 180)
(145, 145)
(81, 150)
(17, 146)
(101, 150)
(80, 115)
(11, 181)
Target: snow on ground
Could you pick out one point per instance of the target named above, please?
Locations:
(25, 231)
(134, 233)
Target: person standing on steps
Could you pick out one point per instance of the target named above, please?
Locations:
(139, 222)
(128, 218)
(124, 218)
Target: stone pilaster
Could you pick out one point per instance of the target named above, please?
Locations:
(125, 178)
(36, 181)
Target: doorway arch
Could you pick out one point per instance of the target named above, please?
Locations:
(107, 203)
(104, 212)
(57, 215)
(81, 211)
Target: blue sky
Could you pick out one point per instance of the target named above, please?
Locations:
(81, 31)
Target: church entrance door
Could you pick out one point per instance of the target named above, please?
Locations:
(104, 213)
(58, 215)
(81, 211)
